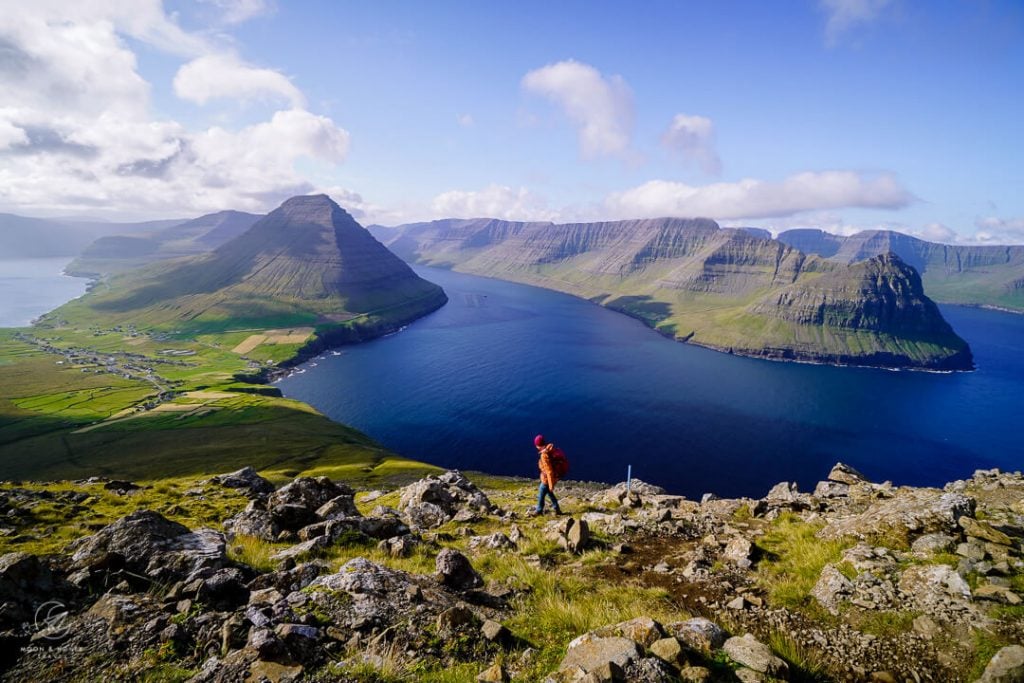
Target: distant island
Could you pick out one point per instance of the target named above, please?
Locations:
(734, 290)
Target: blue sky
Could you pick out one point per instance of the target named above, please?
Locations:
(839, 114)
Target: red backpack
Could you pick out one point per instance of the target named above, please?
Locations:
(559, 463)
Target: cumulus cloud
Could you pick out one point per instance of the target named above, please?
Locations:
(601, 107)
(844, 15)
(693, 138)
(77, 133)
(994, 230)
(494, 201)
(11, 135)
(225, 76)
(751, 198)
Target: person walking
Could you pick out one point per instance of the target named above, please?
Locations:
(551, 470)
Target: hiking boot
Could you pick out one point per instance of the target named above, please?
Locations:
(534, 513)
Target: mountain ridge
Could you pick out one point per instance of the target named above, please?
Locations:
(978, 275)
(113, 254)
(692, 280)
(307, 262)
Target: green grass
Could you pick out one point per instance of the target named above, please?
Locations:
(806, 665)
(796, 557)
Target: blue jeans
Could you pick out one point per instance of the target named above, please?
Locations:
(545, 491)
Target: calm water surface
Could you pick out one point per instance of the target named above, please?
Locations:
(471, 384)
(31, 287)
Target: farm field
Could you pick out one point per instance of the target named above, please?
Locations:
(82, 401)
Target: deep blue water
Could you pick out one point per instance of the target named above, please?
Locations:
(31, 287)
(470, 385)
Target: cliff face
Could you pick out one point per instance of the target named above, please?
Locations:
(975, 275)
(307, 262)
(730, 289)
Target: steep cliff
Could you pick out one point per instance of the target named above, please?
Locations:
(973, 275)
(691, 279)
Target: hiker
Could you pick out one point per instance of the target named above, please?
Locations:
(553, 465)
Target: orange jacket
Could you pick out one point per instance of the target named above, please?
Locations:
(547, 468)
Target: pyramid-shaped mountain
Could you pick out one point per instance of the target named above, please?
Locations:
(307, 262)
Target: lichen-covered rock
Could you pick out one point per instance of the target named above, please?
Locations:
(700, 634)
(935, 588)
(929, 544)
(1006, 666)
(755, 655)
(844, 474)
(246, 479)
(910, 511)
(642, 630)
(432, 501)
(308, 492)
(832, 589)
(590, 653)
(154, 546)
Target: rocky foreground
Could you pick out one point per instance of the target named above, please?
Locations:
(442, 580)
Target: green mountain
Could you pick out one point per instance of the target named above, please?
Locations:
(118, 253)
(972, 275)
(306, 263)
(728, 289)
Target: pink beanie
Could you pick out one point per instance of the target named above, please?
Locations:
(539, 441)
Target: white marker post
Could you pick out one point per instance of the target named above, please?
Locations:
(629, 477)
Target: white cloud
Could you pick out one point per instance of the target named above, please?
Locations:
(494, 201)
(11, 135)
(600, 107)
(465, 120)
(751, 198)
(844, 15)
(936, 232)
(994, 230)
(77, 134)
(693, 137)
(237, 11)
(225, 76)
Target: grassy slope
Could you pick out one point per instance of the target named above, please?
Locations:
(55, 419)
(716, 321)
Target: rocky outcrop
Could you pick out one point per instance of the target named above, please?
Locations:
(339, 603)
(976, 275)
(435, 500)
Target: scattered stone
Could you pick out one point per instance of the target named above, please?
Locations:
(699, 634)
(670, 650)
(246, 478)
(495, 632)
(578, 537)
(590, 653)
(737, 603)
(739, 551)
(832, 589)
(983, 530)
(642, 630)
(493, 674)
(455, 571)
(755, 655)
(929, 544)
(454, 618)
